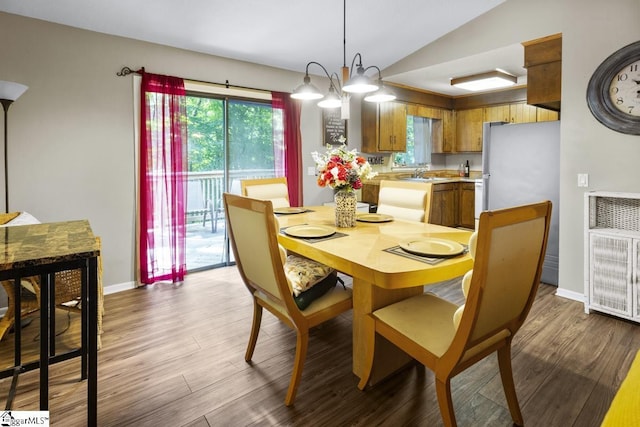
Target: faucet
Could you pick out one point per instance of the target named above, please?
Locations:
(420, 170)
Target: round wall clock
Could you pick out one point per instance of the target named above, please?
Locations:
(613, 94)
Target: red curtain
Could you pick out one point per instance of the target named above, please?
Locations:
(290, 111)
(163, 163)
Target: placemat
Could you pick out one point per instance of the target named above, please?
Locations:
(397, 250)
(336, 235)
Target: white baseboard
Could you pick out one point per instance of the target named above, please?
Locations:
(572, 295)
(119, 287)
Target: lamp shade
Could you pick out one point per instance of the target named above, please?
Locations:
(11, 90)
(332, 100)
(359, 84)
(383, 94)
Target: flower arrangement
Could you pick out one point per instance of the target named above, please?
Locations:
(342, 169)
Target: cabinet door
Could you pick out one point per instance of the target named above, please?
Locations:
(545, 115)
(610, 269)
(522, 113)
(467, 205)
(469, 130)
(497, 113)
(444, 205)
(392, 132)
(369, 121)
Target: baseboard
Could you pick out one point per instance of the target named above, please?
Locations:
(119, 287)
(572, 295)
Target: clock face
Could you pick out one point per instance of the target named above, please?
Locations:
(624, 90)
(613, 92)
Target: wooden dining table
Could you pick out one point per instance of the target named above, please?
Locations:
(382, 273)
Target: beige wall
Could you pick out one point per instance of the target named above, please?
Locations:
(71, 135)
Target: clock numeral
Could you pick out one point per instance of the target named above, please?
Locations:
(633, 68)
(614, 90)
(630, 109)
(622, 77)
(619, 101)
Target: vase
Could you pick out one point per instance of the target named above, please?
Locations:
(346, 204)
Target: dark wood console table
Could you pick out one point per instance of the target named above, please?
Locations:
(42, 250)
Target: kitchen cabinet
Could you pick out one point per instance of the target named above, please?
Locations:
(444, 204)
(612, 254)
(448, 141)
(543, 61)
(511, 113)
(469, 130)
(544, 115)
(467, 205)
(384, 127)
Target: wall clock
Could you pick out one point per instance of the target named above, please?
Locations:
(613, 93)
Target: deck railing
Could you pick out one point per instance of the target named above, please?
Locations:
(204, 189)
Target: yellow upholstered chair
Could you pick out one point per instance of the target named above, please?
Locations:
(511, 245)
(274, 189)
(260, 261)
(405, 199)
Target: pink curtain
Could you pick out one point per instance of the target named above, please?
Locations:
(288, 131)
(163, 163)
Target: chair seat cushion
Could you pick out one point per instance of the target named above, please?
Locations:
(303, 273)
(425, 319)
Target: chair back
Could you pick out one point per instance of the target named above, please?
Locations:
(252, 232)
(405, 200)
(510, 253)
(274, 189)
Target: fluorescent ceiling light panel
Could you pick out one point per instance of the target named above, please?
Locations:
(485, 81)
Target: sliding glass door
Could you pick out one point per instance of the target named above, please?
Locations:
(229, 140)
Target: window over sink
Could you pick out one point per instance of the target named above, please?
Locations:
(420, 131)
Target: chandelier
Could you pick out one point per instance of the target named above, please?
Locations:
(338, 94)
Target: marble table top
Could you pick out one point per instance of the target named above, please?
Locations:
(40, 244)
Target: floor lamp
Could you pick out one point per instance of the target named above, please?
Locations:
(9, 92)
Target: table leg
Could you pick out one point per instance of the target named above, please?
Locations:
(44, 341)
(366, 299)
(92, 386)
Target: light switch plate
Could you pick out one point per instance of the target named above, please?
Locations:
(583, 180)
(311, 170)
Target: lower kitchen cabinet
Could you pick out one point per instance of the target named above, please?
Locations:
(444, 205)
(467, 205)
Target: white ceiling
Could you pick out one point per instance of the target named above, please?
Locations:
(289, 33)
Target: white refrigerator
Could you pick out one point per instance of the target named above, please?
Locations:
(521, 165)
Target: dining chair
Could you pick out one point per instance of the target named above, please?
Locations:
(510, 249)
(405, 199)
(274, 189)
(260, 260)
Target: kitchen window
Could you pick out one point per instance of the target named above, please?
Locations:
(419, 142)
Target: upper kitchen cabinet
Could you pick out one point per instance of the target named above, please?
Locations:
(384, 127)
(469, 130)
(519, 112)
(543, 61)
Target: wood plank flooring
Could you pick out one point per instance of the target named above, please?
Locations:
(174, 356)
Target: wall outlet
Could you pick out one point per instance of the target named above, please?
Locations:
(583, 180)
(311, 171)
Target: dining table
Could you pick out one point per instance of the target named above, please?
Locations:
(374, 253)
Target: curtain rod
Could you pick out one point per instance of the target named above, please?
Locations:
(125, 71)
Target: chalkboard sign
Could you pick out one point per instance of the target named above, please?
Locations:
(333, 126)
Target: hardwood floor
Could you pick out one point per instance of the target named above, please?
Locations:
(174, 356)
